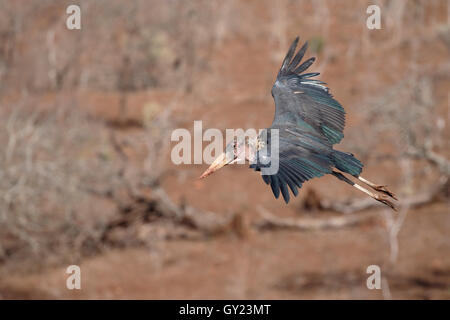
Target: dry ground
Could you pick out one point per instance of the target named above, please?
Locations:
(270, 265)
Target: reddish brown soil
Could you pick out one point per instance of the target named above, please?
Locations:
(277, 265)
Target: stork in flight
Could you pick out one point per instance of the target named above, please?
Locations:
(309, 122)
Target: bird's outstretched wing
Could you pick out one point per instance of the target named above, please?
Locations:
(306, 102)
(302, 156)
(309, 122)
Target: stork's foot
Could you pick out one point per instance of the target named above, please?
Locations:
(385, 190)
(379, 188)
(383, 198)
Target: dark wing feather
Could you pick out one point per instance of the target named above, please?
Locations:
(309, 122)
(299, 160)
(299, 56)
(285, 67)
(306, 102)
(305, 65)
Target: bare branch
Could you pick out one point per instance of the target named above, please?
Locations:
(269, 221)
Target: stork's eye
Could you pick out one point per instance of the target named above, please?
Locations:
(235, 143)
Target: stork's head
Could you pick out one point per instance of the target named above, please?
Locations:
(237, 150)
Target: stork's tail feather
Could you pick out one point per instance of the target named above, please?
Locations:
(346, 162)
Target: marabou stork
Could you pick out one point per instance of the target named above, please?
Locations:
(309, 122)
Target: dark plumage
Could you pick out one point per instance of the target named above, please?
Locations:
(310, 121)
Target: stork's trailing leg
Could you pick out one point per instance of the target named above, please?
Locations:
(384, 198)
(377, 187)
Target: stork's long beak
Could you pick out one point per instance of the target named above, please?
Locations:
(220, 162)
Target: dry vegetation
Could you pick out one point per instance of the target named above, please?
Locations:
(51, 162)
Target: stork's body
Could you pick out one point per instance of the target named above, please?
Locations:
(309, 122)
